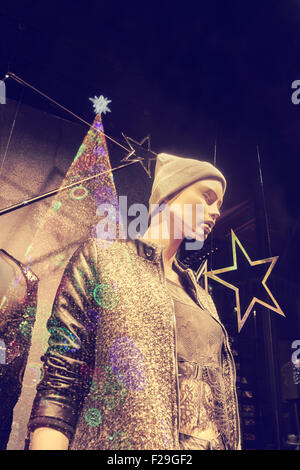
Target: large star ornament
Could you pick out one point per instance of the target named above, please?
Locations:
(140, 153)
(213, 275)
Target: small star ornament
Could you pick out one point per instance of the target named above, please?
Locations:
(140, 153)
(100, 104)
(213, 275)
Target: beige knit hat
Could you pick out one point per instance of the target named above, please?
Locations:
(174, 173)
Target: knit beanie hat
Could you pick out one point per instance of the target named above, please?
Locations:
(174, 173)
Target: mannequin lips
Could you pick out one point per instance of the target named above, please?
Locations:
(210, 224)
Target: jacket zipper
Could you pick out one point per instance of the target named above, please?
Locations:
(233, 389)
(175, 343)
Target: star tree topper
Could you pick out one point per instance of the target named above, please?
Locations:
(213, 275)
(100, 104)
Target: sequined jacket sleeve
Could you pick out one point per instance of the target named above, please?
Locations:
(70, 355)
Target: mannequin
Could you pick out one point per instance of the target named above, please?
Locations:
(151, 301)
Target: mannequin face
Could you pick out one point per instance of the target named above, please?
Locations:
(205, 198)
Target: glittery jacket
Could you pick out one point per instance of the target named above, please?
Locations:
(110, 372)
(17, 317)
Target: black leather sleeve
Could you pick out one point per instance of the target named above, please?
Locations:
(70, 354)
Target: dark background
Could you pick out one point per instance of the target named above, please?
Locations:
(191, 74)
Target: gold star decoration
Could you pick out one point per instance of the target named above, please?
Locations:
(213, 275)
(140, 153)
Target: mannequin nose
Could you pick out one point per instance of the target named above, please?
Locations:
(214, 213)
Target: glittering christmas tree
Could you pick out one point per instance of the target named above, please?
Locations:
(71, 218)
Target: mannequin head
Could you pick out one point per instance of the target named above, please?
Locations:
(206, 198)
(192, 211)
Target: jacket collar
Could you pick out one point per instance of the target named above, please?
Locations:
(149, 250)
(152, 251)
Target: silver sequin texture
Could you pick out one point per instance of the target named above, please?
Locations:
(145, 413)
